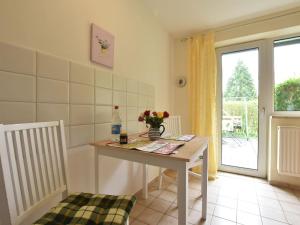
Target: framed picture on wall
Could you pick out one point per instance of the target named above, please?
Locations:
(102, 46)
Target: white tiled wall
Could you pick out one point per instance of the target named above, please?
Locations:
(35, 86)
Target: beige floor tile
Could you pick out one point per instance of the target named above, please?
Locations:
(195, 217)
(248, 219)
(220, 221)
(290, 207)
(268, 202)
(173, 211)
(168, 196)
(137, 210)
(145, 202)
(267, 221)
(225, 213)
(273, 214)
(160, 205)
(248, 197)
(210, 207)
(168, 220)
(293, 218)
(228, 202)
(248, 207)
(136, 222)
(150, 216)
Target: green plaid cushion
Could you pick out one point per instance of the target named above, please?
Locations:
(89, 209)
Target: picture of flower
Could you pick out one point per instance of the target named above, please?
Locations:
(102, 46)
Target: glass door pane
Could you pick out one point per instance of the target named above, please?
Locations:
(240, 121)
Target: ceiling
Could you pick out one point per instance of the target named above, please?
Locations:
(182, 17)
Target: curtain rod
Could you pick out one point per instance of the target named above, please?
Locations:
(245, 23)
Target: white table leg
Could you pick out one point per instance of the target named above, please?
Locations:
(96, 157)
(204, 181)
(145, 181)
(182, 195)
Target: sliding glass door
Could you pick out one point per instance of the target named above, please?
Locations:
(241, 109)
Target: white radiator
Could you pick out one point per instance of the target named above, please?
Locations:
(288, 150)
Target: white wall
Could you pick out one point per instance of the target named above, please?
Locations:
(46, 74)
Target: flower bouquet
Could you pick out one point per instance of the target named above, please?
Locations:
(155, 121)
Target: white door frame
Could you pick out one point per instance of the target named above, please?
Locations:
(264, 105)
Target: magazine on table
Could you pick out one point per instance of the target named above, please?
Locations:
(186, 137)
(161, 147)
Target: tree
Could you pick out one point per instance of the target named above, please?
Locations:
(240, 84)
(287, 95)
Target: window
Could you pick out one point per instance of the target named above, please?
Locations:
(287, 74)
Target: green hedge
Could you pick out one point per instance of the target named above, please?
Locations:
(238, 108)
(287, 95)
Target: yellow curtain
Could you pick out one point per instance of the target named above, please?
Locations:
(202, 83)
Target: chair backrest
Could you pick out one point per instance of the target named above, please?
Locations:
(34, 164)
(173, 125)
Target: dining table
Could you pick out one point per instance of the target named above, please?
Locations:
(181, 160)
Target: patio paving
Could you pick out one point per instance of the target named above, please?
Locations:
(240, 152)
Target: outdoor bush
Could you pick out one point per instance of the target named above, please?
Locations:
(287, 95)
(238, 108)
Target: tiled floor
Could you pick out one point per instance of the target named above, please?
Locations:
(232, 199)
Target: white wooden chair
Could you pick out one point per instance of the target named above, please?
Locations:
(173, 128)
(34, 167)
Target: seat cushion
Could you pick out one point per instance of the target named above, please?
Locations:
(90, 209)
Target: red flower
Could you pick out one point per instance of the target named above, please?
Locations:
(147, 113)
(154, 113)
(141, 119)
(166, 114)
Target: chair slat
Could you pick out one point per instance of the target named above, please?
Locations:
(22, 169)
(14, 168)
(8, 178)
(29, 165)
(58, 157)
(48, 163)
(42, 161)
(35, 163)
(53, 159)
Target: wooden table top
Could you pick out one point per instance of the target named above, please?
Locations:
(189, 152)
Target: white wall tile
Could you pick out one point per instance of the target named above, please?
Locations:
(15, 87)
(123, 113)
(17, 59)
(132, 127)
(67, 134)
(81, 135)
(103, 79)
(81, 73)
(102, 131)
(132, 99)
(51, 112)
(81, 94)
(119, 98)
(52, 91)
(52, 67)
(17, 112)
(119, 83)
(132, 86)
(143, 101)
(142, 88)
(103, 114)
(103, 96)
(132, 113)
(81, 170)
(81, 114)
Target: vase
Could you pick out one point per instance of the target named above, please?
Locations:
(154, 133)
